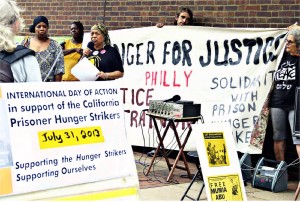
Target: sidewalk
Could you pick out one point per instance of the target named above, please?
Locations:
(154, 187)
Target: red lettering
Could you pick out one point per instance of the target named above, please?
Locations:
(187, 77)
(174, 81)
(164, 83)
(167, 79)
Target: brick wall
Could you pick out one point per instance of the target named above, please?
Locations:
(120, 14)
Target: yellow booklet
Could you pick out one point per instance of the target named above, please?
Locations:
(225, 187)
(216, 150)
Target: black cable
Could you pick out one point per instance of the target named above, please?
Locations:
(157, 160)
(283, 169)
(144, 143)
(171, 145)
(295, 162)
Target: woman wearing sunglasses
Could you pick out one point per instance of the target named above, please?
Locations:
(282, 100)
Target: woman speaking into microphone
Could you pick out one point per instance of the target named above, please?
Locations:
(102, 55)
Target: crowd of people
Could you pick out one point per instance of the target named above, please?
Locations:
(52, 62)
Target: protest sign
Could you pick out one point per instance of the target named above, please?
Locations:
(228, 71)
(62, 134)
(220, 166)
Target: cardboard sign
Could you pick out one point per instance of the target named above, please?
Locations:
(219, 162)
(62, 134)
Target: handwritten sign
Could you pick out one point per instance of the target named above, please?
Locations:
(228, 71)
(69, 137)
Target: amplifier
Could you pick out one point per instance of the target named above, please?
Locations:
(179, 109)
(270, 175)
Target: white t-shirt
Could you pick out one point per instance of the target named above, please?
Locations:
(26, 69)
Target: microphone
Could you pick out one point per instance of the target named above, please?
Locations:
(63, 44)
(90, 45)
(175, 98)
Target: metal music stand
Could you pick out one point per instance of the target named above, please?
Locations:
(194, 154)
(171, 123)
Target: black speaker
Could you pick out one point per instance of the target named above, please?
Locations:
(270, 175)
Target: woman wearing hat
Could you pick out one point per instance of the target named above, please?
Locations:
(49, 53)
(105, 57)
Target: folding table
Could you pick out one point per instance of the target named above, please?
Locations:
(171, 123)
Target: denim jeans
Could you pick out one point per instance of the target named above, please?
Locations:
(281, 120)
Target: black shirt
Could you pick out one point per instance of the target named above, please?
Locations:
(107, 59)
(286, 79)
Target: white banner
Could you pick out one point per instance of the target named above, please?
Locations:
(62, 134)
(227, 70)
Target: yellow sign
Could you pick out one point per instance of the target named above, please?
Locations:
(5, 181)
(118, 193)
(70, 137)
(225, 188)
(216, 149)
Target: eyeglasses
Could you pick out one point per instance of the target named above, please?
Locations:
(289, 42)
